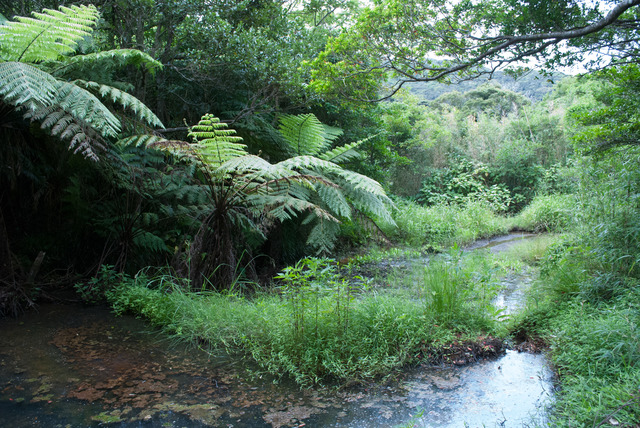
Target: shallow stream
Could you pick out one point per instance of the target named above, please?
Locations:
(67, 366)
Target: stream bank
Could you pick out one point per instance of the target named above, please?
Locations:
(69, 366)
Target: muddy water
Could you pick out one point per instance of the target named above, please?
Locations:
(77, 367)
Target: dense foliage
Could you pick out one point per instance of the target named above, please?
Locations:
(173, 156)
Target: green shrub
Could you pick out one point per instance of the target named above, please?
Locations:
(464, 181)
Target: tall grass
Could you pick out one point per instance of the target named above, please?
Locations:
(445, 225)
(586, 304)
(318, 326)
(551, 213)
(456, 286)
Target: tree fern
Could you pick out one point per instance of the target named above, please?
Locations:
(246, 195)
(30, 46)
(47, 35)
(127, 101)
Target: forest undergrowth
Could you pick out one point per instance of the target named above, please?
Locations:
(323, 325)
(335, 323)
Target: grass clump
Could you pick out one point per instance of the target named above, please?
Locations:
(529, 251)
(551, 213)
(318, 326)
(445, 225)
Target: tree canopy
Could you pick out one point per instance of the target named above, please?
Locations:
(419, 41)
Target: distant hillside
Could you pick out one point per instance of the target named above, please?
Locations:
(532, 85)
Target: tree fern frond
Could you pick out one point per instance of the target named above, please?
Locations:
(284, 207)
(171, 145)
(342, 154)
(67, 127)
(146, 240)
(323, 236)
(144, 140)
(215, 143)
(359, 181)
(375, 208)
(109, 59)
(334, 198)
(82, 143)
(301, 191)
(245, 163)
(330, 133)
(85, 107)
(48, 35)
(305, 134)
(126, 100)
(23, 85)
(265, 177)
(308, 163)
(149, 218)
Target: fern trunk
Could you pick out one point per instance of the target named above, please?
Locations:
(213, 254)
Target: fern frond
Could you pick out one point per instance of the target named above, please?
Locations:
(284, 207)
(309, 163)
(331, 133)
(343, 153)
(265, 177)
(48, 35)
(126, 100)
(323, 236)
(246, 163)
(67, 127)
(144, 140)
(82, 106)
(115, 58)
(23, 85)
(215, 143)
(334, 198)
(146, 240)
(359, 181)
(305, 134)
(376, 208)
